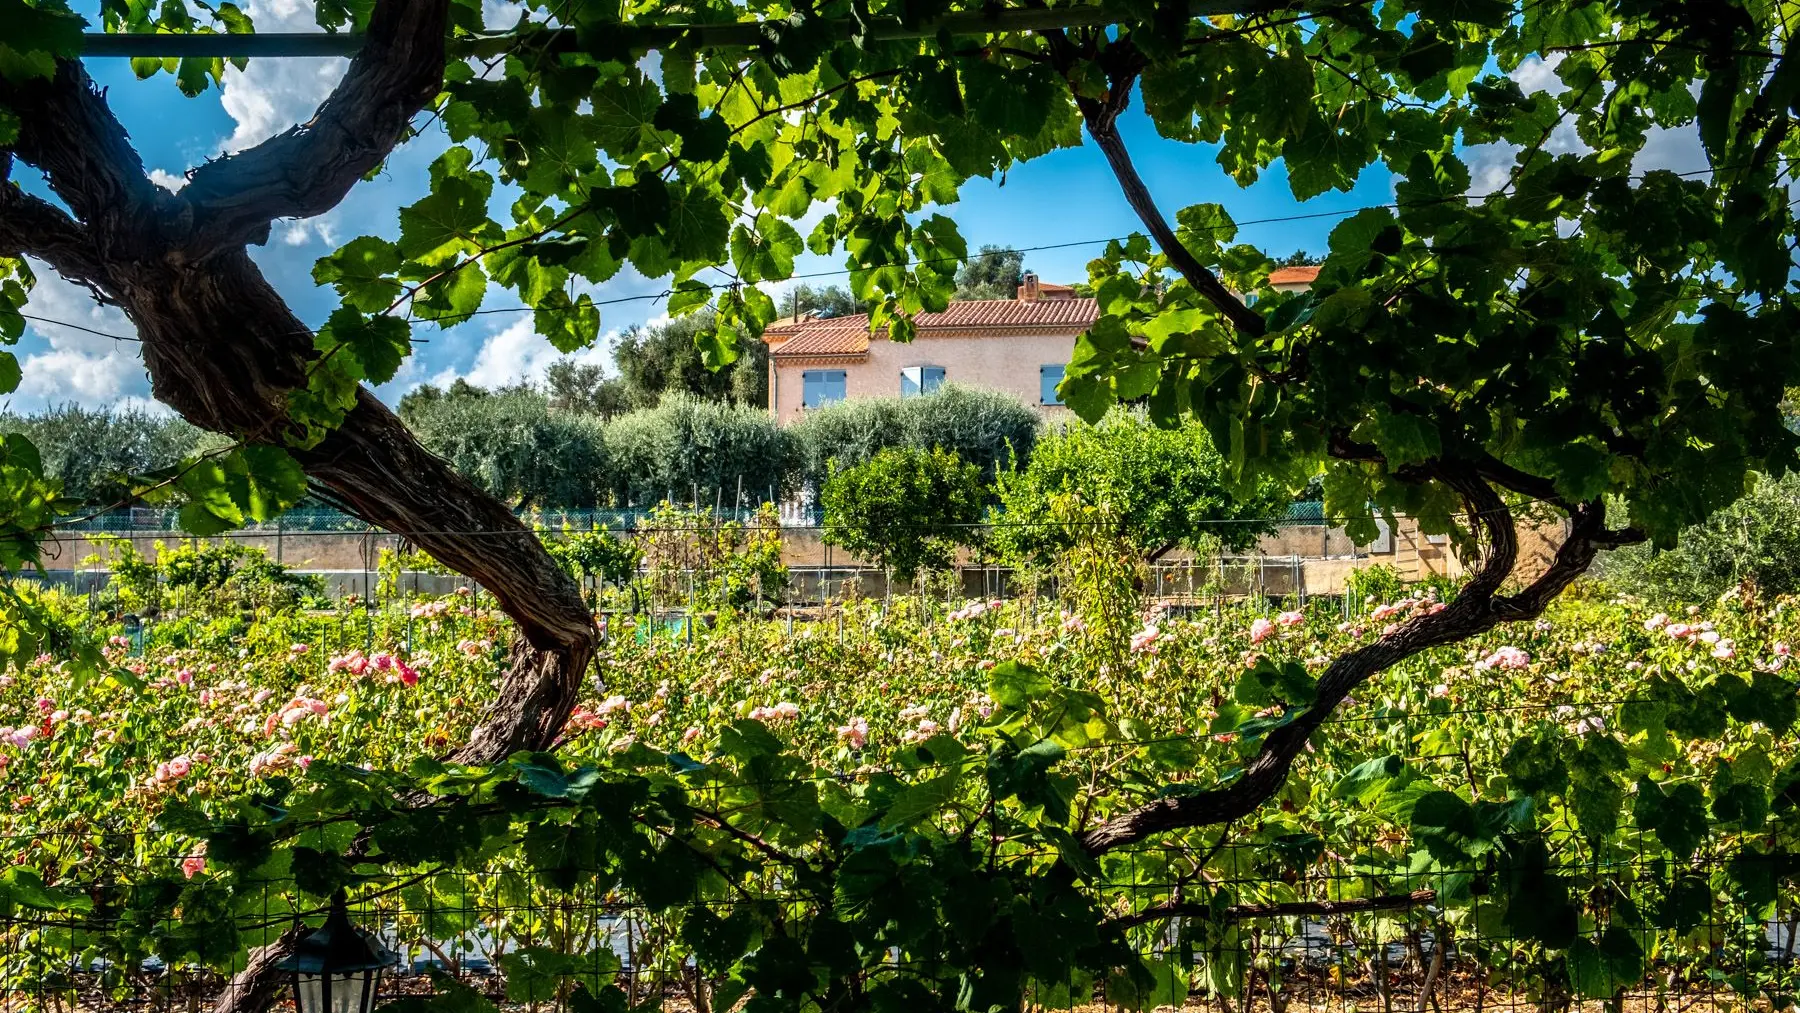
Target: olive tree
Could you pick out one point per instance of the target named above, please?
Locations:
(986, 428)
(515, 447)
(905, 509)
(97, 453)
(1161, 489)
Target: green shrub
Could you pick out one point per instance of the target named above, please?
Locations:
(904, 508)
(689, 449)
(1162, 488)
(207, 578)
(1374, 585)
(1755, 539)
(513, 446)
(985, 428)
(692, 556)
(96, 453)
(595, 554)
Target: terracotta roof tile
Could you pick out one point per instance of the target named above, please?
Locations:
(838, 336)
(1058, 313)
(1293, 276)
(850, 335)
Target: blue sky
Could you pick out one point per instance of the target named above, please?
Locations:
(1066, 197)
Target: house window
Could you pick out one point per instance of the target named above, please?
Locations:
(1049, 377)
(917, 380)
(821, 387)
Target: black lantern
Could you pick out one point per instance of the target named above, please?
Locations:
(338, 968)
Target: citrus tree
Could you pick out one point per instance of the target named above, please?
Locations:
(904, 509)
(1163, 487)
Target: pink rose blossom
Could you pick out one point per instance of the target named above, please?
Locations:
(1505, 658)
(1144, 640)
(855, 734)
(193, 865)
(1290, 619)
(1261, 630)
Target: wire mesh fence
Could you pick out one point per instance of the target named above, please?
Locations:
(373, 566)
(317, 520)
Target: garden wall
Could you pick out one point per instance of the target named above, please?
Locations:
(1324, 557)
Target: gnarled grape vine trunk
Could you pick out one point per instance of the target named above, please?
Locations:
(226, 352)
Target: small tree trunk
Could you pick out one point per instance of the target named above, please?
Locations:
(1428, 990)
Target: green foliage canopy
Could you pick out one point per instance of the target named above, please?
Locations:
(985, 428)
(994, 272)
(690, 450)
(513, 446)
(1756, 539)
(1163, 488)
(1629, 294)
(661, 358)
(904, 509)
(102, 455)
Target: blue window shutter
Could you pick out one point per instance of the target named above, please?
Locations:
(1048, 379)
(916, 380)
(821, 387)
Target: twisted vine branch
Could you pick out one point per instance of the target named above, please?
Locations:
(1478, 608)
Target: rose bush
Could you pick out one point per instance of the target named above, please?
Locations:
(232, 759)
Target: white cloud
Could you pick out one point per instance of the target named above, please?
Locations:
(299, 232)
(144, 406)
(1674, 148)
(169, 181)
(501, 15)
(76, 365)
(1536, 74)
(1491, 165)
(518, 353)
(272, 95)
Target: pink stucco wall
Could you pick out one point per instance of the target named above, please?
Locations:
(1008, 363)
